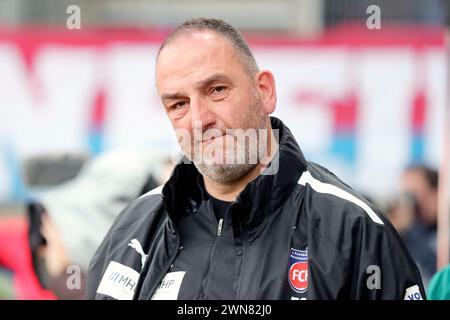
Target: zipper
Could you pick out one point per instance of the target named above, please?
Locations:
(218, 236)
(219, 227)
(243, 240)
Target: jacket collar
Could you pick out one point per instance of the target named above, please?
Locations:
(182, 194)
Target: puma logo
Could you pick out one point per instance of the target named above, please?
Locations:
(136, 245)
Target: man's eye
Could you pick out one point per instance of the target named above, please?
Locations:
(177, 105)
(218, 89)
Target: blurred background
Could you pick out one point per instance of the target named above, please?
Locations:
(362, 84)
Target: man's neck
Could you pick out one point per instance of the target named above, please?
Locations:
(229, 192)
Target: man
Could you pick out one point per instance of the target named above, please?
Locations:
(245, 220)
(420, 184)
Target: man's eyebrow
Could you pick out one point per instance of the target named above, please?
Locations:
(212, 78)
(202, 83)
(171, 96)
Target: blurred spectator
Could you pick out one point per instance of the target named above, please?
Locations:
(68, 222)
(439, 288)
(414, 214)
(401, 212)
(17, 277)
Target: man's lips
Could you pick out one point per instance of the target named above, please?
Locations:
(209, 140)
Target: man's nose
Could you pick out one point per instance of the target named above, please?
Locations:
(201, 115)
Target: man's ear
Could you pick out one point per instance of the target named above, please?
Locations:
(265, 83)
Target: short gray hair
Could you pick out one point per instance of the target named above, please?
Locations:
(222, 28)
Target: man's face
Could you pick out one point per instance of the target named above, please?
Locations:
(414, 182)
(208, 94)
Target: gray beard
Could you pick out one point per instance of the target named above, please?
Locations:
(229, 173)
(225, 173)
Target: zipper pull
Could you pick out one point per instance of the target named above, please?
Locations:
(219, 227)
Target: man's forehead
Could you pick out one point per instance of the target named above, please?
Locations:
(192, 50)
(204, 38)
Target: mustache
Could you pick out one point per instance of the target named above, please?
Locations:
(211, 134)
(197, 135)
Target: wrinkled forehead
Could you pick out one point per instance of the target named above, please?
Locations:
(192, 54)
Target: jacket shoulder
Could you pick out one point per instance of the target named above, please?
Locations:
(331, 198)
(134, 222)
(352, 236)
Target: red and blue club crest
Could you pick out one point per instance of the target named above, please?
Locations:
(298, 270)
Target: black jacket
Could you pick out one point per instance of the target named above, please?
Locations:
(300, 233)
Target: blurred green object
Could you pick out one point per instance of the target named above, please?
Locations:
(6, 284)
(439, 287)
